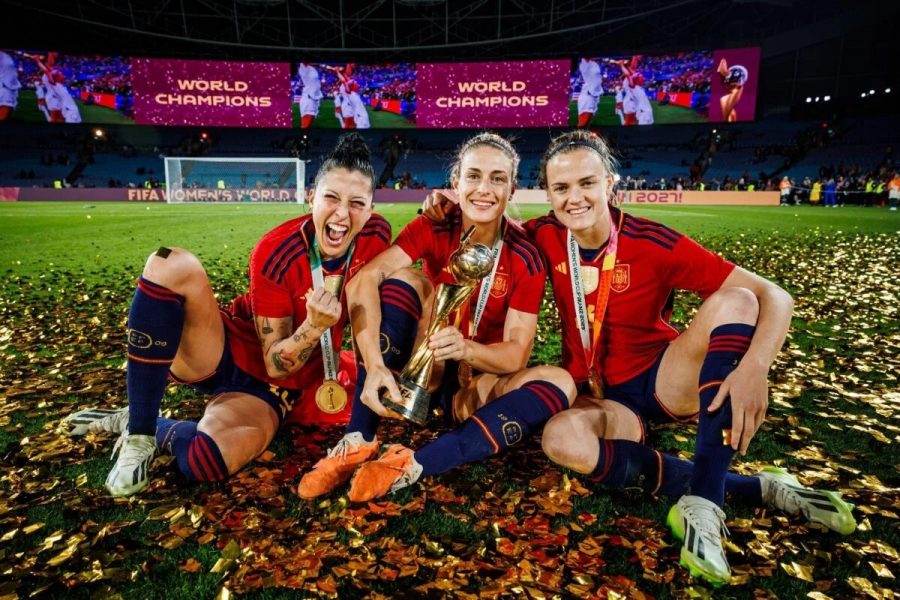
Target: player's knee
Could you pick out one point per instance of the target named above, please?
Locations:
(415, 279)
(560, 442)
(556, 376)
(735, 305)
(174, 268)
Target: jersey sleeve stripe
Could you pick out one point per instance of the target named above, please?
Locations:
(643, 236)
(286, 247)
(279, 276)
(644, 225)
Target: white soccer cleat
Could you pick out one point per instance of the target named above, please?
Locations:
(700, 524)
(130, 473)
(783, 491)
(97, 419)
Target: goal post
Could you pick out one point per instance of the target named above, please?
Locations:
(256, 180)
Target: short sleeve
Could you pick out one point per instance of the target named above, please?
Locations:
(268, 297)
(694, 268)
(416, 238)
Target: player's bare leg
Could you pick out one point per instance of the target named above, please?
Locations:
(241, 425)
(572, 438)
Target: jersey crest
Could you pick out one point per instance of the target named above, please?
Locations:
(500, 285)
(621, 278)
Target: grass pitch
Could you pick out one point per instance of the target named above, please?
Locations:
(513, 526)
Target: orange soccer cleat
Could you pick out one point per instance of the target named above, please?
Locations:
(337, 466)
(395, 470)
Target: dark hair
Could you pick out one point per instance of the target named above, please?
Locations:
(351, 153)
(572, 140)
(486, 138)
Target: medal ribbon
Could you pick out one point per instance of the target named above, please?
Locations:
(329, 356)
(486, 285)
(591, 343)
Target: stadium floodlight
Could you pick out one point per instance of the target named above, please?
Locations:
(871, 92)
(817, 98)
(887, 90)
(863, 95)
(808, 99)
(256, 180)
(826, 98)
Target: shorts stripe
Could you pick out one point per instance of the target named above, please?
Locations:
(709, 384)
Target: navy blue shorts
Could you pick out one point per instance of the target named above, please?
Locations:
(228, 377)
(638, 394)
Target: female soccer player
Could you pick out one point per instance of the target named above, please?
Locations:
(485, 383)
(613, 277)
(634, 368)
(254, 358)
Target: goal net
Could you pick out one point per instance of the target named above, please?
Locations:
(259, 180)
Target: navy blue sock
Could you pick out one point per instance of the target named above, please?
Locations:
(155, 322)
(197, 455)
(506, 421)
(627, 464)
(727, 345)
(401, 310)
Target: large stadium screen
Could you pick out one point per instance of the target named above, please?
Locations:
(42, 86)
(350, 95)
(688, 87)
(211, 93)
(492, 94)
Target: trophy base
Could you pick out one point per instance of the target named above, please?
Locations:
(416, 402)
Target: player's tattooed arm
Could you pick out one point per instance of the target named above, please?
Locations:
(286, 350)
(272, 332)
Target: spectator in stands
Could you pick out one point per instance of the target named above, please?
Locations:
(815, 193)
(894, 191)
(831, 193)
(785, 188)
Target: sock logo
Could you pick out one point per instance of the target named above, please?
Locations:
(385, 343)
(139, 339)
(512, 432)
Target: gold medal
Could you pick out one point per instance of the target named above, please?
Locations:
(596, 384)
(331, 397)
(590, 277)
(333, 284)
(464, 374)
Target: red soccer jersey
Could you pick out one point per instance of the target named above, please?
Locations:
(280, 280)
(518, 282)
(652, 261)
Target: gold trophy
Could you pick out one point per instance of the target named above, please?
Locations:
(468, 265)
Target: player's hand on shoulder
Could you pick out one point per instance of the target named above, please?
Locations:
(439, 204)
(323, 309)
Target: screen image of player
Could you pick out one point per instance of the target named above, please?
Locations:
(211, 93)
(45, 86)
(492, 94)
(640, 89)
(734, 85)
(353, 96)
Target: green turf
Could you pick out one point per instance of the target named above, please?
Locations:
(66, 275)
(27, 110)
(662, 115)
(378, 119)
